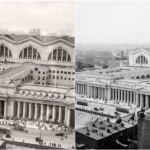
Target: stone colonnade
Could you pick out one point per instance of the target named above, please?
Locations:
(117, 94)
(35, 111)
(91, 91)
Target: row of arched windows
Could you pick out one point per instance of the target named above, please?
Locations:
(141, 60)
(58, 54)
(5, 52)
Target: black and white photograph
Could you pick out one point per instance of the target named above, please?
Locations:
(37, 75)
(112, 75)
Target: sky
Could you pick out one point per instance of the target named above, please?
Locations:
(52, 16)
(112, 22)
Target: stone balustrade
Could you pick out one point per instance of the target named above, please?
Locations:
(41, 94)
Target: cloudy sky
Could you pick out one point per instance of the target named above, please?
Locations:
(113, 22)
(52, 16)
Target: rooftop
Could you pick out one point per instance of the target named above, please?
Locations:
(100, 129)
(14, 71)
(43, 39)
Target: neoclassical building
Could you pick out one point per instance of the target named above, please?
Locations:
(126, 84)
(37, 77)
(139, 57)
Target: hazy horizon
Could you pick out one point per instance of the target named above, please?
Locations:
(49, 16)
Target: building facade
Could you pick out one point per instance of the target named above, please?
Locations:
(37, 81)
(130, 85)
(139, 57)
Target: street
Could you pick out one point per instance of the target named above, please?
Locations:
(47, 136)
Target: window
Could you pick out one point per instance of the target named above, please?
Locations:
(57, 77)
(53, 77)
(73, 73)
(36, 69)
(43, 72)
(38, 82)
(31, 71)
(38, 77)
(61, 71)
(5, 51)
(61, 77)
(59, 54)
(42, 83)
(43, 78)
(65, 78)
(65, 72)
(39, 72)
(53, 71)
(49, 76)
(72, 79)
(69, 72)
(30, 53)
(68, 78)
(57, 71)
(50, 71)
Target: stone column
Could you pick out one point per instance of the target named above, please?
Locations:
(141, 101)
(102, 93)
(60, 114)
(47, 113)
(24, 109)
(35, 111)
(88, 93)
(137, 100)
(147, 101)
(105, 94)
(134, 98)
(30, 110)
(127, 96)
(5, 108)
(118, 94)
(66, 112)
(115, 94)
(68, 117)
(54, 113)
(121, 95)
(18, 110)
(12, 111)
(41, 114)
(131, 97)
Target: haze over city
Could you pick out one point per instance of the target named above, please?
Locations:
(112, 22)
(46, 15)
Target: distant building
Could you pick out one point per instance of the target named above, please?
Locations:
(35, 31)
(122, 55)
(79, 64)
(118, 63)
